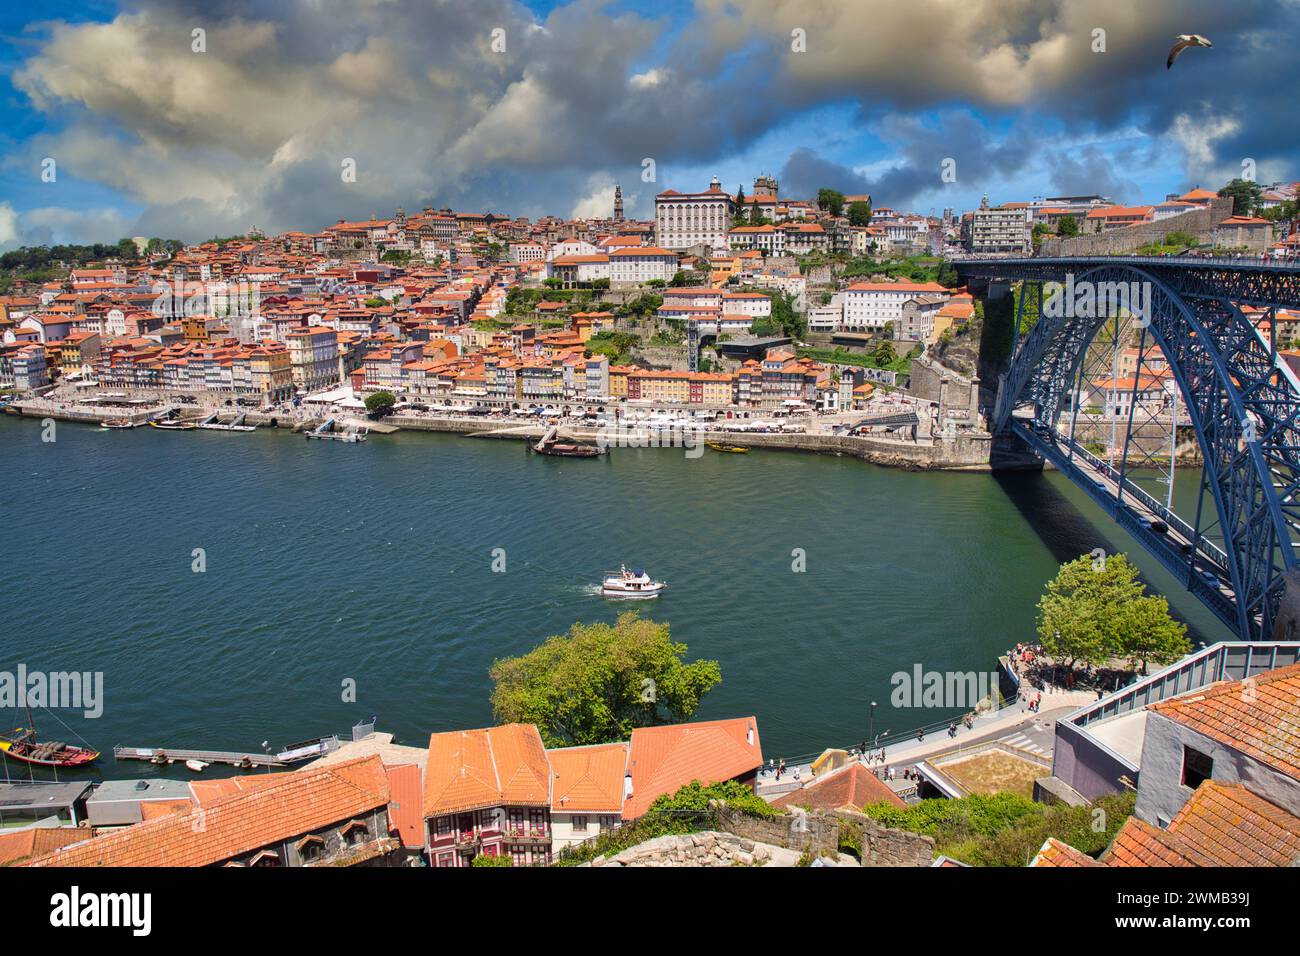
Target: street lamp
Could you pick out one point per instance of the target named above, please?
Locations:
(871, 721)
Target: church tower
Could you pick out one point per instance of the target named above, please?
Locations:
(618, 203)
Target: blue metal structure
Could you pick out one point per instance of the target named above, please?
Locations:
(1242, 400)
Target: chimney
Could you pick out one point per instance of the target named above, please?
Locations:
(627, 785)
(749, 735)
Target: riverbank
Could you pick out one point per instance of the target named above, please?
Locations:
(963, 452)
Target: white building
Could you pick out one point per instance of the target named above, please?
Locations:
(637, 265)
(868, 306)
(683, 220)
(756, 305)
(590, 786)
(527, 252)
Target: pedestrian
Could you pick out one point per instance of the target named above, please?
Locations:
(952, 729)
(920, 736)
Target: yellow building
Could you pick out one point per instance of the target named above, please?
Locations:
(272, 371)
(618, 380)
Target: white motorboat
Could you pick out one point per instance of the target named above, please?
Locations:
(634, 584)
(198, 766)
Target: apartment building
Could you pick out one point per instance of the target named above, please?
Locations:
(996, 229)
(313, 357)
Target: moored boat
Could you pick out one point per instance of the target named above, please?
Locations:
(723, 446)
(198, 766)
(173, 424)
(25, 747)
(548, 445)
(117, 423)
(636, 584)
(567, 450)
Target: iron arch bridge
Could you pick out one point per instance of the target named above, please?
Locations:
(1230, 390)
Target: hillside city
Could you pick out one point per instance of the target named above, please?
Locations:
(826, 323)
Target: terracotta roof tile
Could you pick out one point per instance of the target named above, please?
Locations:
(404, 809)
(852, 786)
(1138, 843)
(37, 841)
(488, 767)
(293, 804)
(1227, 825)
(589, 778)
(1054, 853)
(663, 759)
(1259, 717)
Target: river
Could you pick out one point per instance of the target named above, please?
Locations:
(328, 563)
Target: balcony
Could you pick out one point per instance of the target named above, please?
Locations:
(528, 835)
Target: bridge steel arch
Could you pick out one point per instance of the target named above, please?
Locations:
(1242, 400)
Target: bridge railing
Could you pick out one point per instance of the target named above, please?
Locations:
(1279, 264)
(1149, 501)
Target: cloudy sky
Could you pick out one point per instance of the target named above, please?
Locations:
(151, 137)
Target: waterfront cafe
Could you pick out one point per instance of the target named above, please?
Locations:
(341, 397)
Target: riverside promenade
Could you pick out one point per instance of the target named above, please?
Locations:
(1013, 724)
(962, 452)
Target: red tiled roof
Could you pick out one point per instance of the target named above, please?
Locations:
(1054, 853)
(37, 841)
(664, 759)
(1227, 825)
(488, 767)
(852, 786)
(293, 804)
(1138, 843)
(588, 778)
(1259, 717)
(404, 806)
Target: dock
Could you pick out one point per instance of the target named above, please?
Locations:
(213, 423)
(164, 755)
(325, 430)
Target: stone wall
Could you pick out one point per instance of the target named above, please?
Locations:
(819, 832)
(956, 394)
(1200, 223)
(706, 848)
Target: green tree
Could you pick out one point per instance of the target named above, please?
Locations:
(740, 197)
(883, 354)
(1245, 195)
(379, 404)
(1067, 227)
(859, 214)
(830, 200)
(1040, 230)
(1149, 634)
(947, 276)
(1097, 609)
(600, 681)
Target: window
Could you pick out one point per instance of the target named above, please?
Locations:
(310, 848)
(355, 833)
(579, 824)
(1197, 767)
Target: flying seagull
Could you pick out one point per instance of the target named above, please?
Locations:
(1184, 41)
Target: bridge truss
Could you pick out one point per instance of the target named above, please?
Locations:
(1238, 397)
